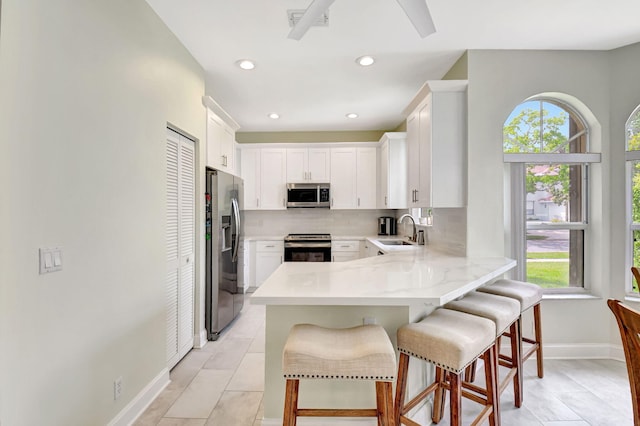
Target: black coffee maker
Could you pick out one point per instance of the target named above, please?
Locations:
(387, 225)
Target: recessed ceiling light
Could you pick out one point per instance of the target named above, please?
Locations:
(352, 115)
(273, 116)
(365, 61)
(246, 64)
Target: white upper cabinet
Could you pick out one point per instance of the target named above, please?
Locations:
(250, 160)
(353, 178)
(392, 172)
(343, 178)
(308, 165)
(264, 175)
(436, 146)
(366, 172)
(221, 137)
(273, 179)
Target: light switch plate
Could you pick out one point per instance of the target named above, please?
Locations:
(50, 259)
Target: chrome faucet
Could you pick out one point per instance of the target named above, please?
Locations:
(413, 222)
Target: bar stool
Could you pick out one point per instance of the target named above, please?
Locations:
(451, 340)
(529, 295)
(505, 313)
(358, 353)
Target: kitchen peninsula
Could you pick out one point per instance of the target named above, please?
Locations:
(390, 290)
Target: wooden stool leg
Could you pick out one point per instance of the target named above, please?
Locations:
(439, 396)
(384, 400)
(291, 403)
(401, 387)
(538, 336)
(491, 377)
(455, 400)
(516, 362)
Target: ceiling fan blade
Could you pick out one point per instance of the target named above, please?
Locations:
(314, 11)
(419, 15)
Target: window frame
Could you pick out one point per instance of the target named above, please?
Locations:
(518, 205)
(631, 156)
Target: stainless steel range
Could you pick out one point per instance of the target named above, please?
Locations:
(307, 248)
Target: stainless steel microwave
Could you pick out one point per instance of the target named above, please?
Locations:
(314, 195)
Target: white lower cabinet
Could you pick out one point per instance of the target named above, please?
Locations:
(342, 251)
(269, 255)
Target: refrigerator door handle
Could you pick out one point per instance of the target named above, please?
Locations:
(236, 215)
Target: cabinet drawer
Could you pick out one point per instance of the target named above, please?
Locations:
(345, 246)
(270, 246)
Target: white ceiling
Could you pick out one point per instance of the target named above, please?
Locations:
(314, 82)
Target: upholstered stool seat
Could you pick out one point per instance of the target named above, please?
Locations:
(505, 313)
(358, 353)
(451, 340)
(529, 295)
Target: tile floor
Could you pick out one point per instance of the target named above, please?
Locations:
(222, 384)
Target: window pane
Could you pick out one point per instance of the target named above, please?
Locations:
(543, 127)
(636, 256)
(635, 191)
(555, 258)
(633, 132)
(554, 193)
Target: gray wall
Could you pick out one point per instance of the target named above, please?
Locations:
(604, 87)
(87, 90)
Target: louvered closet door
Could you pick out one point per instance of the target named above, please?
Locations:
(180, 245)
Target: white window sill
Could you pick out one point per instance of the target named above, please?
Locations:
(570, 296)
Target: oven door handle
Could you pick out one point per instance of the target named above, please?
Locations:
(307, 245)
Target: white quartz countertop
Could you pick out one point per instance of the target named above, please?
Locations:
(404, 278)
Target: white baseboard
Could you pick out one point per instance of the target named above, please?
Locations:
(141, 401)
(323, 421)
(200, 339)
(582, 351)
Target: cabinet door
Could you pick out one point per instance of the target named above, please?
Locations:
(319, 165)
(343, 178)
(297, 167)
(413, 158)
(423, 196)
(216, 134)
(266, 264)
(344, 256)
(250, 175)
(226, 149)
(383, 177)
(366, 178)
(273, 179)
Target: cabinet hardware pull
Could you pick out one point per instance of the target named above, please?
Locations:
(358, 201)
(385, 200)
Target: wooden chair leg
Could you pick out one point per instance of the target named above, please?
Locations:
(401, 387)
(537, 323)
(291, 403)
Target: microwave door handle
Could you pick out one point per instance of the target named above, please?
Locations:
(236, 215)
(318, 194)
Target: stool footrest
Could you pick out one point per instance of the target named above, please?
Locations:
(336, 412)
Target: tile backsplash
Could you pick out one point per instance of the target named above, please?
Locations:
(448, 233)
(294, 221)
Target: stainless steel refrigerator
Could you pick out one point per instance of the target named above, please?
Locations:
(224, 293)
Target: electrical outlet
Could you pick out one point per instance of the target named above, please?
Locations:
(117, 388)
(369, 320)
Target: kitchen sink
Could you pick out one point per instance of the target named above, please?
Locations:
(395, 242)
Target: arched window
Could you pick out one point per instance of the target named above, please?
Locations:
(632, 133)
(546, 143)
